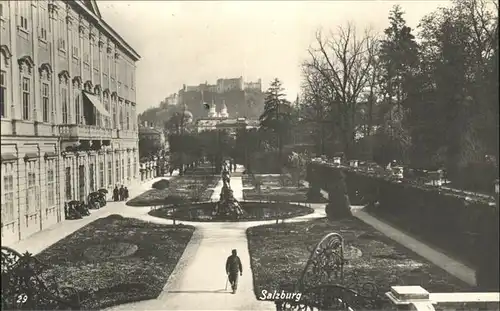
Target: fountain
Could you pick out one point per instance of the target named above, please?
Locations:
(227, 206)
(228, 209)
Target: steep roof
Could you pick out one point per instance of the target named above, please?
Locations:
(92, 6)
(92, 10)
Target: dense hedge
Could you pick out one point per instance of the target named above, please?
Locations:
(476, 176)
(161, 184)
(464, 227)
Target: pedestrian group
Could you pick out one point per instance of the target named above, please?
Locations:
(120, 194)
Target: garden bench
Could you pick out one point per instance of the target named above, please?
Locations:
(24, 286)
(322, 282)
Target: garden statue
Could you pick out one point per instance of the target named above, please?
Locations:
(297, 166)
(226, 176)
(227, 205)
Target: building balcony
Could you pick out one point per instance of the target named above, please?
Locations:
(84, 132)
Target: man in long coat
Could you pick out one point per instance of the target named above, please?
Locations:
(233, 266)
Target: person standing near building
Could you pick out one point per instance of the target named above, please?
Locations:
(122, 193)
(125, 193)
(116, 194)
(233, 266)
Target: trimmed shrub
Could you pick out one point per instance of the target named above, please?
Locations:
(161, 184)
(339, 205)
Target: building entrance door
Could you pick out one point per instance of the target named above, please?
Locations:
(81, 182)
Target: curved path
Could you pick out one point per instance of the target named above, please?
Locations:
(198, 281)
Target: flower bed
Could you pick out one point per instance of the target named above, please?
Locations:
(115, 260)
(248, 181)
(279, 254)
(285, 194)
(189, 187)
(255, 211)
(274, 180)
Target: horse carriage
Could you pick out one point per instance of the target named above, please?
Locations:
(97, 199)
(75, 210)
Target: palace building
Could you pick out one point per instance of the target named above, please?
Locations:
(68, 111)
(222, 121)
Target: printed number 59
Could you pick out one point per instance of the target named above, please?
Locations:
(22, 298)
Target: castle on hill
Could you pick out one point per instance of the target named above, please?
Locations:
(238, 98)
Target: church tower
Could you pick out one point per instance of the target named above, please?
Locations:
(223, 112)
(212, 113)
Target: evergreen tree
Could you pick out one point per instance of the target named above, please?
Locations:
(398, 63)
(277, 115)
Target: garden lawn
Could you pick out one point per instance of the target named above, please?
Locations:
(284, 194)
(201, 170)
(191, 187)
(91, 260)
(266, 180)
(279, 254)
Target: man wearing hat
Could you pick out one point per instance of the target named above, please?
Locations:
(233, 266)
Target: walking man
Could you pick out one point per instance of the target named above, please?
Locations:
(233, 266)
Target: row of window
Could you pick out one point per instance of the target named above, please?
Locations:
(33, 188)
(126, 70)
(47, 109)
(120, 175)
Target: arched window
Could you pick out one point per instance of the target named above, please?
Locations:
(127, 122)
(129, 175)
(25, 71)
(32, 188)
(78, 115)
(114, 105)
(98, 116)
(45, 93)
(106, 105)
(120, 107)
(4, 81)
(77, 94)
(88, 86)
(64, 96)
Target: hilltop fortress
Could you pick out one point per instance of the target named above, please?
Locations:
(240, 98)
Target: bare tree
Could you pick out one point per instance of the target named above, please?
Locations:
(372, 88)
(314, 107)
(342, 60)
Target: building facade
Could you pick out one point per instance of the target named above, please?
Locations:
(68, 111)
(151, 140)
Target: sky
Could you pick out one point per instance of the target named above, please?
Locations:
(190, 42)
